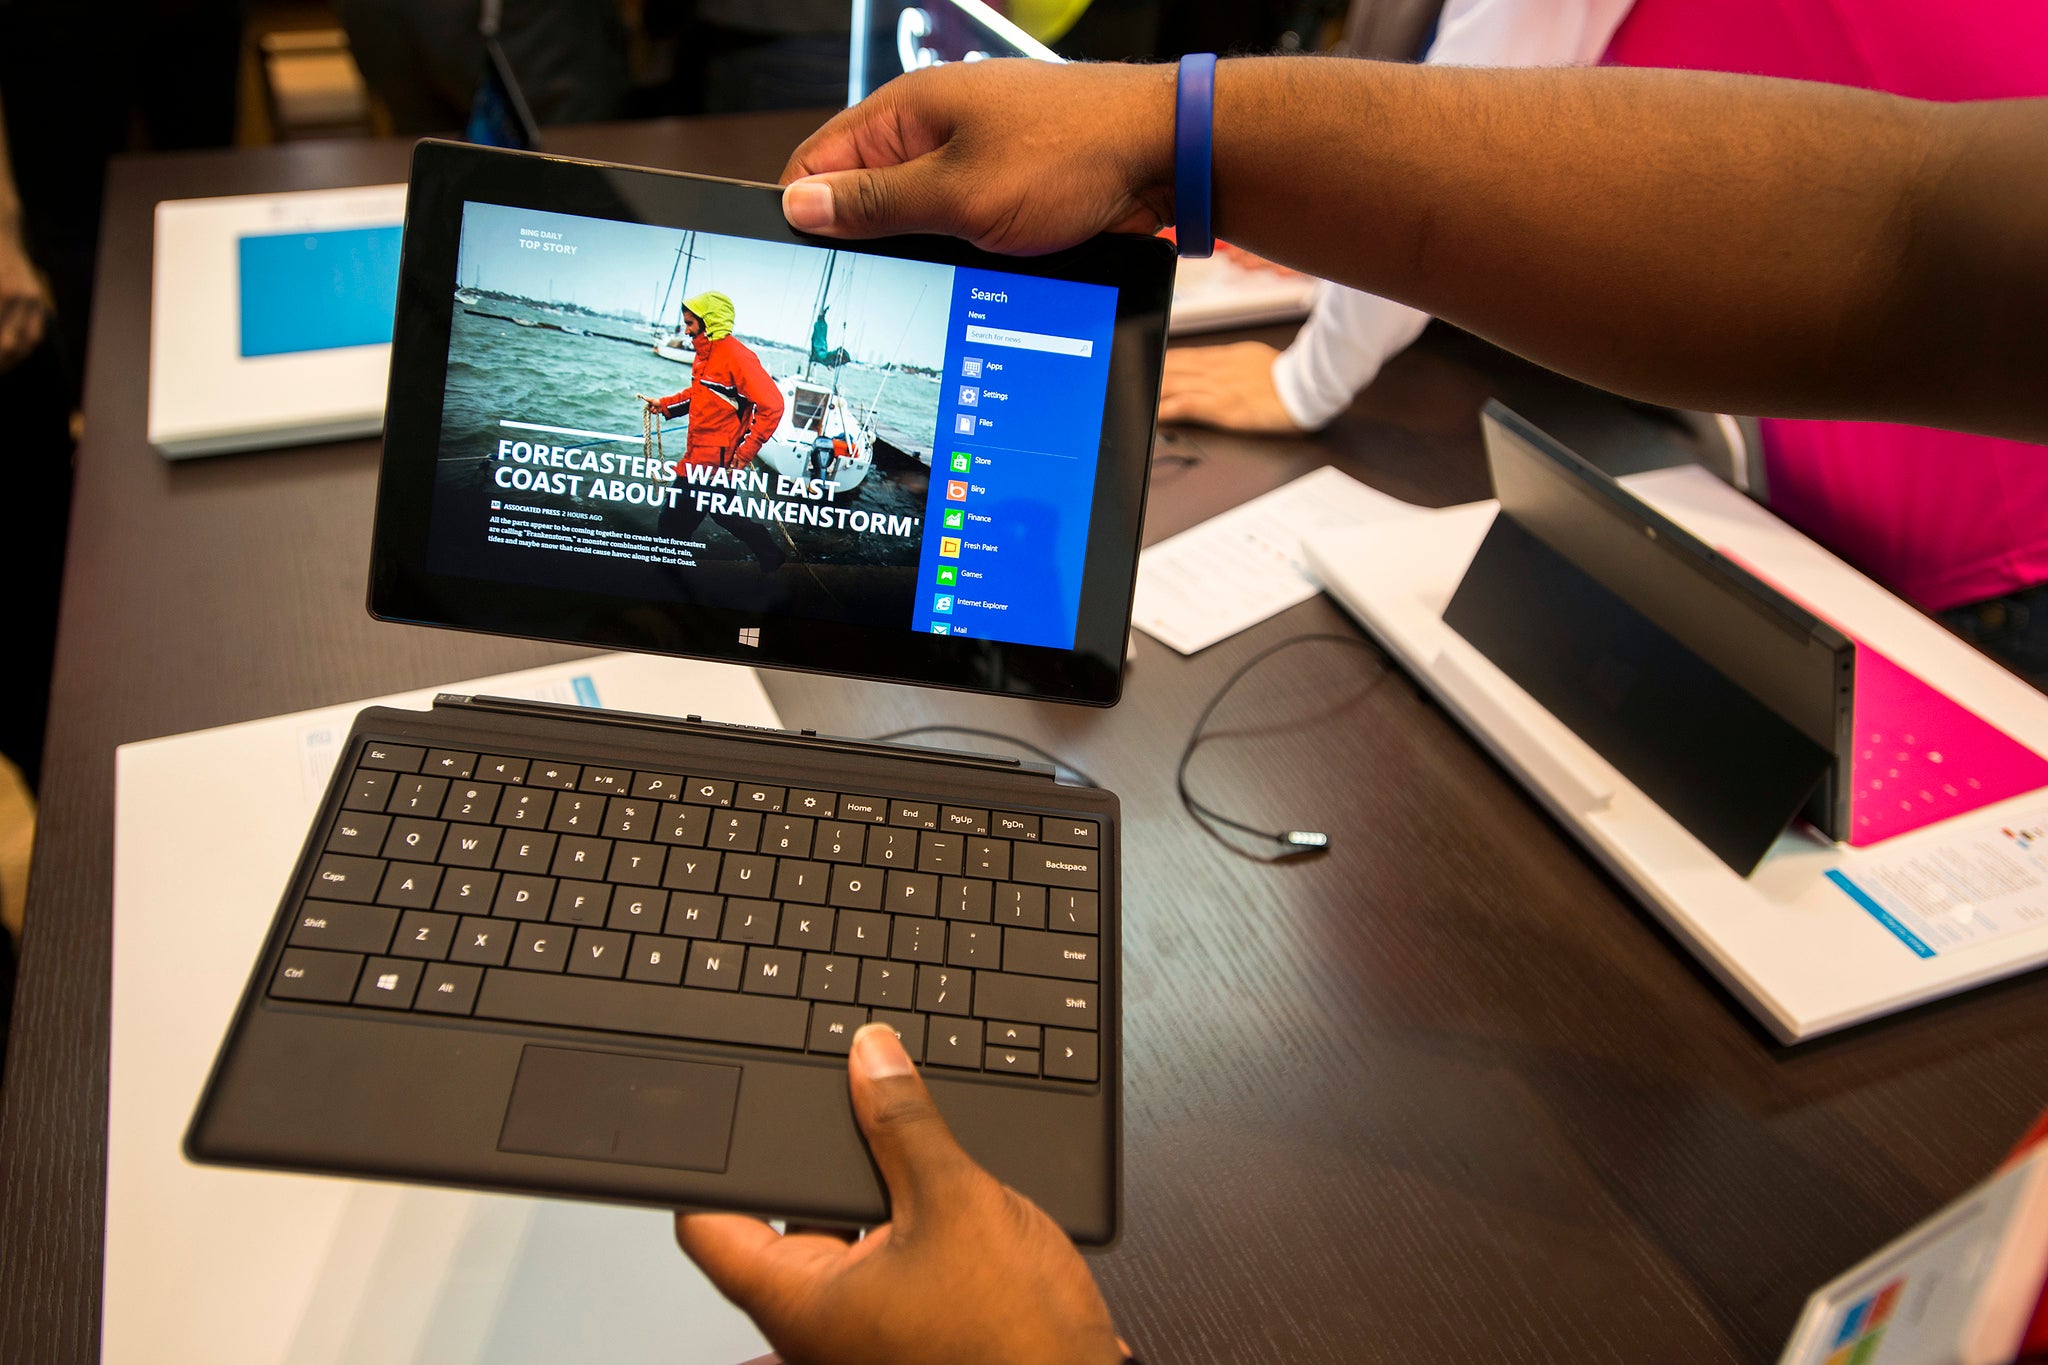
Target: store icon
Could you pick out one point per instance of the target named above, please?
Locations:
(961, 461)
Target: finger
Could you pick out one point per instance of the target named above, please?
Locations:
(727, 1247)
(876, 202)
(13, 342)
(32, 328)
(739, 1255)
(920, 1161)
(1186, 405)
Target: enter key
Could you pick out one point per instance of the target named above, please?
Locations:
(1070, 956)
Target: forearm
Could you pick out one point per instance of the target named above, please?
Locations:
(1704, 241)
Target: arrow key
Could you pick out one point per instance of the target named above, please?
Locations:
(1015, 1060)
(1069, 1056)
(954, 1042)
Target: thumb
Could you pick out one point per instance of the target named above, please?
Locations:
(920, 1161)
(875, 202)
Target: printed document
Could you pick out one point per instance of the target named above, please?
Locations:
(1235, 570)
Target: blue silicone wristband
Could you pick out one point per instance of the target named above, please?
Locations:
(1194, 127)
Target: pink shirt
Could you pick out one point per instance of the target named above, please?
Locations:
(1940, 517)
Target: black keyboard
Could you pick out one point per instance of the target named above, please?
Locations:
(713, 906)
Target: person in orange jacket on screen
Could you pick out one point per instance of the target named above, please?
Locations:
(733, 407)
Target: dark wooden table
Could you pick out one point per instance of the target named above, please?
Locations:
(1443, 1093)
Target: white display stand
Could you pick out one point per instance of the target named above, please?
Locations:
(1794, 947)
(213, 1266)
(205, 396)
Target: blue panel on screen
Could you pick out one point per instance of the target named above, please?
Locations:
(315, 291)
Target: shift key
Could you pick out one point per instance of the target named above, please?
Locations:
(1035, 1000)
(1054, 865)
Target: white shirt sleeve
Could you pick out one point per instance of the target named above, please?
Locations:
(1349, 335)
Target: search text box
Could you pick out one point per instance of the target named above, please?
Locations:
(1030, 341)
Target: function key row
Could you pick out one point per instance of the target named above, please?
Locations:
(404, 771)
(404, 816)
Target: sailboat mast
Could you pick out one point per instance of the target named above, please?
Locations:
(689, 258)
(818, 309)
(662, 311)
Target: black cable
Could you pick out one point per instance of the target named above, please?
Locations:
(997, 735)
(1292, 843)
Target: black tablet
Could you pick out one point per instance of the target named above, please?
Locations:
(636, 409)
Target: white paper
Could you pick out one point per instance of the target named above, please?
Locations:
(1981, 883)
(1235, 570)
(233, 1267)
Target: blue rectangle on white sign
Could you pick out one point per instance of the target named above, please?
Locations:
(318, 290)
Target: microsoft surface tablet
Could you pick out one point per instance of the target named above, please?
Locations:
(636, 409)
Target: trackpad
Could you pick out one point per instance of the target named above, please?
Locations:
(604, 1107)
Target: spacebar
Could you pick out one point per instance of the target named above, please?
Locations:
(633, 1007)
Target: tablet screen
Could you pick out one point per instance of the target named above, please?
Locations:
(636, 409)
(829, 435)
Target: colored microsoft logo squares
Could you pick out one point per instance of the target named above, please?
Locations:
(942, 603)
(948, 576)
(1852, 1322)
(956, 490)
(949, 547)
(1886, 1300)
(961, 461)
(955, 518)
(964, 424)
(941, 628)
(1866, 1349)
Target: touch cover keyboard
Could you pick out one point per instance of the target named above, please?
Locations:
(535, 889)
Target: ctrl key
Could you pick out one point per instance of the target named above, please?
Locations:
(309, 974)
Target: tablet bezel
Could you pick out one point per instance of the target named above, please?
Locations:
(402, 588)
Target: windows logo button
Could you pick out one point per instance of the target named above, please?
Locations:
(750, 636)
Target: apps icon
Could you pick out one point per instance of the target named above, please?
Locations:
(956, 490)
(970, 367)
(949, 547)
(963, 425)
(969, 395)
(948, 576)
(942, 603)
(941, 628)
(961, 461)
